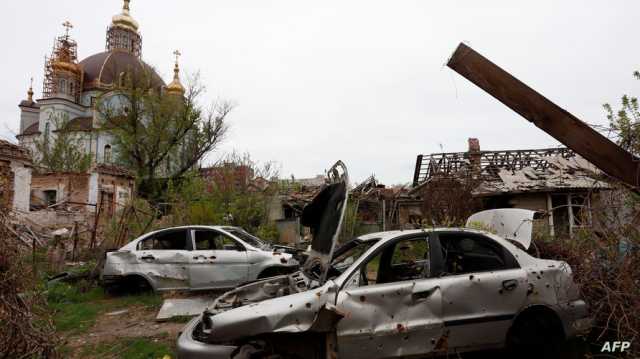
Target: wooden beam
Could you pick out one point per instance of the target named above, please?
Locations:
(546, 115)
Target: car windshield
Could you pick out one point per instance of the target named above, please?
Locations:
(350, 253)
(249, 239)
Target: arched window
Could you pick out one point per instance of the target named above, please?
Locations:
(122, 79)
(63, 86)
(71, 88)
(46, 131)
(107, 154)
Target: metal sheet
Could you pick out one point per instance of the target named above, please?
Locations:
(546, 115)
(182, 307)
(511, 223)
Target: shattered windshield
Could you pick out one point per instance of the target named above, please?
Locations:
(248, 238)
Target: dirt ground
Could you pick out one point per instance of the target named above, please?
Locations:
(133, 323)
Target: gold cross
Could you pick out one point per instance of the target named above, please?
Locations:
(126, 5)
(178, 54)
(67, 25)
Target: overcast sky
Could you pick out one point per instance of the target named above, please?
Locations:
(362, 81)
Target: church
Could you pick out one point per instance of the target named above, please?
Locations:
(71, 88)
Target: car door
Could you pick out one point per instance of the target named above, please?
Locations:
(164, 257)
(392, 306)
(483, 288)
(217, 261)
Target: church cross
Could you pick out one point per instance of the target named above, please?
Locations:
(178, 54)
(68, 26)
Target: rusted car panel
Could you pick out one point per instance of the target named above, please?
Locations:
(195, 258)
(454, 308)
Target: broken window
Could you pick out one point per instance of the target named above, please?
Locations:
(407, 259)
(107, 154)
(560, 215)
(212, 240)
(50, 197)
(580, 210)
(570, 211)
(463, 253)
(168, 240)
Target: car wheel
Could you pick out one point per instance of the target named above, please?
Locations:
(136, 285)
(536, 334)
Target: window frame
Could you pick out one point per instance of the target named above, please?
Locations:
(240, 247)
(434, 248)
(510, 262)
(188, 242)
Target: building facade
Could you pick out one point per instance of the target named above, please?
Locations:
(72, 87)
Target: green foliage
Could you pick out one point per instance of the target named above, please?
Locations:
(77, 306)
(268, 231)
(129, 348)
(626, 122)
(75, 310)
(61, 151)
(194, 200)
(350, 223)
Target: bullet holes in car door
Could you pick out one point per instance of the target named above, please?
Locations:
(218, 260)
(395, 302)
(164, 258)
(482, 287)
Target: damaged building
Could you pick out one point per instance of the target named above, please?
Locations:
(555, 181)
(61, 198)
(15, 174)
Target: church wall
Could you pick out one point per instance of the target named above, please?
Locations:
(61, 108)
(28, 116)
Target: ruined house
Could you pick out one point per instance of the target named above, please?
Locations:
(60, 199)
(555, 181)
(15, 176)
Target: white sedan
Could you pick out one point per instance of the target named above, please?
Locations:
(194, 258)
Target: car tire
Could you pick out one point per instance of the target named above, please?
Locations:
(536, 334)
(136, 285)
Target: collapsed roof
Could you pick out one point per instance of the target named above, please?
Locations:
(511, 171)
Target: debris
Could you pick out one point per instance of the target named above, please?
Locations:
(118, 312)
(172, 308)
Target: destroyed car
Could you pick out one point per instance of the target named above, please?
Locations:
(397, 294)
(194, 258)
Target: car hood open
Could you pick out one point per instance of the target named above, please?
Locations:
(324, 217)
(510, 223)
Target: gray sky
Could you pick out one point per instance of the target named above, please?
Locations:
(362, 81)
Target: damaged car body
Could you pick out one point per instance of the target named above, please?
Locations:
(395, 294)
(194, 258)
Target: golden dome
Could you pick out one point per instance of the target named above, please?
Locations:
(66, 66)
(124, 19)
(175, 87)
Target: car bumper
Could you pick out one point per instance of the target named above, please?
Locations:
(575, 318)
(189, 348)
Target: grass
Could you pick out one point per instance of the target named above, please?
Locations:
(76, 307)
(128, 348)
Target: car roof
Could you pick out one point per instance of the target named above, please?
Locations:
(387, 235)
